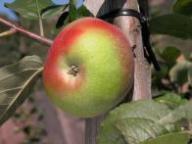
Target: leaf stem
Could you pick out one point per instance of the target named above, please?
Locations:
(25, 32)
(40, 19)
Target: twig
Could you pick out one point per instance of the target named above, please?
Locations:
(8, 32)
(26, 32)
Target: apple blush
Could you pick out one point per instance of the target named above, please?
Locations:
(89, 68)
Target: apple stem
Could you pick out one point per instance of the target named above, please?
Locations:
(25, 32)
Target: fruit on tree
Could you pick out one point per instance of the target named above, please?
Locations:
(89, 68)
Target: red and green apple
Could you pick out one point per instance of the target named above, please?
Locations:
(89, 68)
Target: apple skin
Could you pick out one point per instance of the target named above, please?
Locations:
(89, 68)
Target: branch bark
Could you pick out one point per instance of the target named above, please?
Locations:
(26, 32)
(142, 75)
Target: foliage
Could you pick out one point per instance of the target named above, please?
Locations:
(33, 9)
(183, 7)
(172, 24)
(180, 73)
(146, 122)
(29, 9)
(53, 10)
(168, 54)
(172, 100)
(16, 82)
(71, 15)
(173, 138)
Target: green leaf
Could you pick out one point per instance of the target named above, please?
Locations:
(157, 76)
(136, 130)
(183, 7)
(74, 2)
(172, 138)
(16, 82)
(8, 51)
(73, 14)
(52, 11)
(134, 123)
(84, 12)
(171, 99)
(172, 24)
(62, 20)
(183, 112)
(29, 9)
(180, 72)
(109, 134)
(169, 54)
(139, 121)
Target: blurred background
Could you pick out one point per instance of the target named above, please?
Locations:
(37, 121)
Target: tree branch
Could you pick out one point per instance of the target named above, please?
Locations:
(25, 32)
(142, 75)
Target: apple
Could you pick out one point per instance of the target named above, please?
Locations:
(89, 68)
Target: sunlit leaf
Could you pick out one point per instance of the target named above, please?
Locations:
(171, 99)
(29, 9)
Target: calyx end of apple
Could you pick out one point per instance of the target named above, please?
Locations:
(73, 70)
